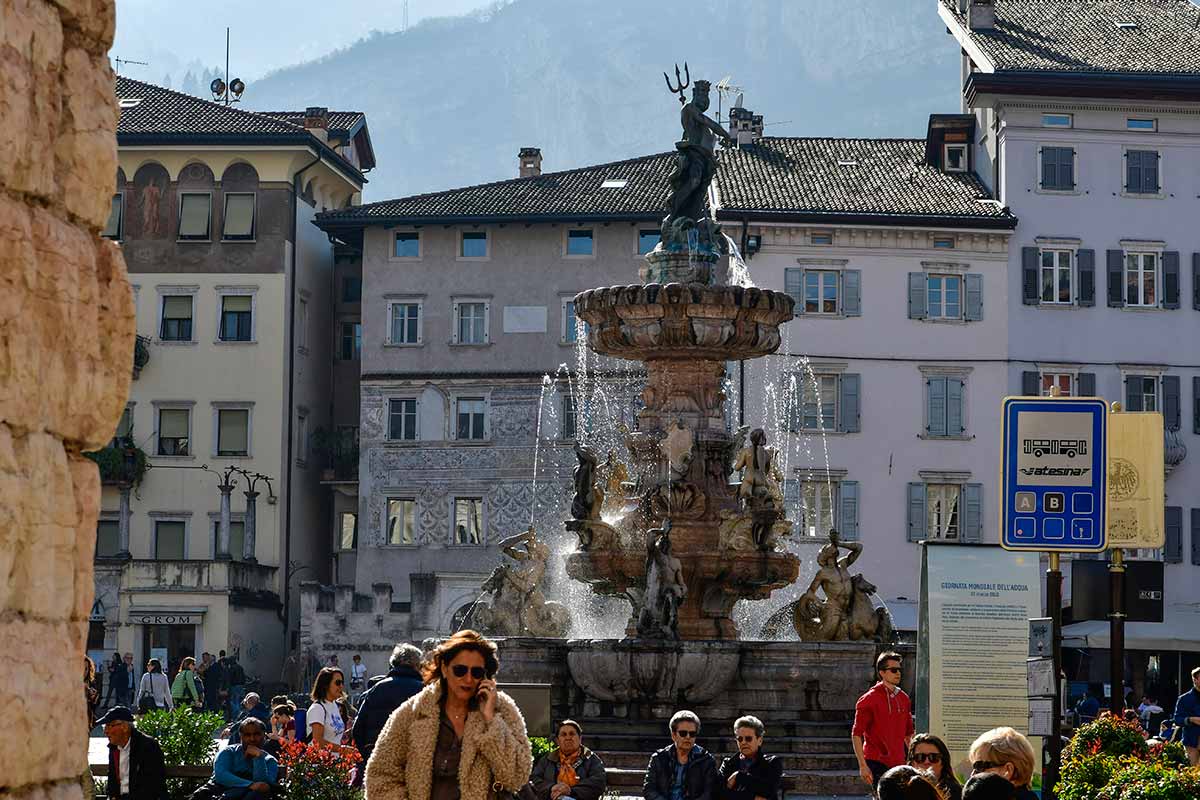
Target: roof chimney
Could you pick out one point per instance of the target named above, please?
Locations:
(529, 159)
(316, 122)
(746, 126)
(981, 16)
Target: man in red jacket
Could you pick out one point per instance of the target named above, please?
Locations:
(883, 723)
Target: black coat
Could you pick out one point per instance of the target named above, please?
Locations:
(379, 703)
(147, 773)
(592, 778)
(762, 779)
(699, 780)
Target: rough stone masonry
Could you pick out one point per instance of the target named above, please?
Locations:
(66, 346)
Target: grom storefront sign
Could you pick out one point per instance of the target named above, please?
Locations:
(166, 616)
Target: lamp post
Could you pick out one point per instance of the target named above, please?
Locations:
(227, 91)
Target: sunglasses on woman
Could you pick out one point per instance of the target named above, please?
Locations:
(460, 670)
(984, 766)
(927, 758)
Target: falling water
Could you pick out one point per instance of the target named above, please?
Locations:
(537, 445)
(739, 272)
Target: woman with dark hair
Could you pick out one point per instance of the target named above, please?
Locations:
(905, 783)
(458, 738)
(323, 720)
(184, 692)
(154, 690)
(91, 692)
(929, 753)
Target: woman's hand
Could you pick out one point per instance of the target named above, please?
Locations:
(487, 698)
(732, 782)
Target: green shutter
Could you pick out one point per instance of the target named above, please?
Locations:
(1031, 384)
(850, 400)
(852, 292)
(1196, 405)
(1172, 402)
(916, 295)
(1116, 278)
(1087, 384)
(955, 413)
(972, 512)
(1171, 279)
(1196, 536)
(1173, 522)
(848, 510)
(1085, 262)
(1030, 258)
(1196, 281)
(1133, 393)
(973, 282)
(916, 512)
(935, 406)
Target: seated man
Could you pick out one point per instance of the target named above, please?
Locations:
(572, 771)
(683, 770)
(135, 761)
(252, 706)
(246, 771)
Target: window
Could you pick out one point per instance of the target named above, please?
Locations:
(955, 157)
(407, 245)
(351, 289)
(113, 227)
(401, 520)
(941, 514)
(174, 428)
(239, 216)
(468, 520)
(471, 323)
(302, 325)
(943, 296)
(474, 244)
(1141, 279)
(176, 318)
(1141, 124)
(571, 323)
(821, 237)
(348, 531)
(233, 432)
(943, 242)
(406, 323)
(237, 538)
(1057, 120)
(236, 318)
(124, 425)
(1141, 393)
(350, 341)
(1058, 169)
(169, 538)
(470, 413)
(647, 240)
(944, 407)
(569, 423)
(820, 292)
(818, 500)
(1056, 276)
(1141, 171)
(402, 419)
(301, 438)
(817, 402)
(580, 243)
(108, 538)
(1063, 381)
(195, 213)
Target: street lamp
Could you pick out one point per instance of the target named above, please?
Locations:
(227, 91)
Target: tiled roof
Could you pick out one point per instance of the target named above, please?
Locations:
(164, 111)
(1084, 36)
(339, 121)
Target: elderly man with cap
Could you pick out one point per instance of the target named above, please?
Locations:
(135, 761)
(252, 708)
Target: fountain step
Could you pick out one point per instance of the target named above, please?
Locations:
(778, 725)
(821, 782)
(780, 745)
(792, 762)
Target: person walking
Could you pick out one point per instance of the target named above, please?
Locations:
(1007, 753)
(323, 721)
(115, 668)
(136, 770)
(214, 684)
(459, 738)
(235, 678)
(184, 692)
(751, 774)
(402, 682)
(1187, 718)
(570, 771)
(883, 723)
(358, 680)
(1088, 708)
(683, 770)
(154, 691)
(929, 753)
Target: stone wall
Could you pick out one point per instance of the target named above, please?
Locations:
(66, 347)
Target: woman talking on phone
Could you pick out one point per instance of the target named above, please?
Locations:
(458, 738)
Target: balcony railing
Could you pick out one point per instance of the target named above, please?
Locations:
(1174, 451)
(122, 462)
(339, 452)
(141, 354)
(187, 575)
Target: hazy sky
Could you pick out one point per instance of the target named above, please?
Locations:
(264, 35)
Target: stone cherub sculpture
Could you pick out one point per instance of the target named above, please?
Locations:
(589, 498)
(517, 604)
(756, 461)
(828, 620)
(665, 587)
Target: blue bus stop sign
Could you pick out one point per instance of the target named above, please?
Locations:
(1053, 474)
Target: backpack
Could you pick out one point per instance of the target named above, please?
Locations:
(301, 720)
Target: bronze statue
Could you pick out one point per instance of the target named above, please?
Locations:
(829, 620)
(760, 476)
(589, 497)
(665, 587)
(518, 606)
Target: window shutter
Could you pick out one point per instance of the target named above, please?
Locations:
(1133, 171)
(793, 284)
(1029, 275)
(972, 517)
(1196, 281)
(848, 510)
(851, 385)
(1116, 283)
(852, 292)
(954, 407)
(1085, 261)
(1171, 279)
(974, 284)
(916, 295)
(1031, 384)
(935, 406)
(177, 307)
(1048, 164)
(1173, 522)
(1150, 172)
(1133, 394)
(1172, 417)
(1196, 536)
(1087, 384)
(1196, 405)
(1066, 167)
(916, 512)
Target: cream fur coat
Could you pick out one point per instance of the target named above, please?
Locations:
(401, 766)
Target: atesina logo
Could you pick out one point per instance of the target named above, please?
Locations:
(1054, 449)
(1072, 472)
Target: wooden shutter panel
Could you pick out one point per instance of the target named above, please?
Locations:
(1171, 279)
(954, 407)
(1116, 284)
(1029, 275)
(1172, 416)
(1173, 522)
(1133, 393)
(1031, 384)
(851, 402)
(848, 510)
(972, 512)
(1048, 168)
(1150, 172)
(1066, 167)
(1085, 261)
(916, 512)
(852, 292)
(974, 285)
(1087, 384)
(1196, 281)
(916, 295)
(1196, 405)
(935, 406)
(1196, 536)
(1133, 171)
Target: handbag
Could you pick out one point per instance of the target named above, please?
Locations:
(526, 792)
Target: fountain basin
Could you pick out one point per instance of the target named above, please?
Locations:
(661, 673)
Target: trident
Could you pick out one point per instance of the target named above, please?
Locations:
(681, 83)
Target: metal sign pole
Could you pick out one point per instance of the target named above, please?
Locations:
(1116, 631)
(1053, 744)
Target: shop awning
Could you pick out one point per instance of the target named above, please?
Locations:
(1179, 630)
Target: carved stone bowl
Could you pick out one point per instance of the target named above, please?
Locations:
(684, 321)
(651, 671)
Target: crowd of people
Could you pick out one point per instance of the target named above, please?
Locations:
(437, 728)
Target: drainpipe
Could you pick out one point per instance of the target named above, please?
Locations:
(285, 614)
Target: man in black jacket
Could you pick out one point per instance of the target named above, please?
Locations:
(401, 683)
(135, 761)
(751, 774)
(570, 772)
(683, 770)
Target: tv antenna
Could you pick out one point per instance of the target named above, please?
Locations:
(724, 88)
(404, 19)
(119, 61)
(227, 91)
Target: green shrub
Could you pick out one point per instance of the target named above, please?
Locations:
(540, 745)
(186, 739)
(1109, 760)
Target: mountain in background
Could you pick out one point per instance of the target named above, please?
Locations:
(450, 101)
